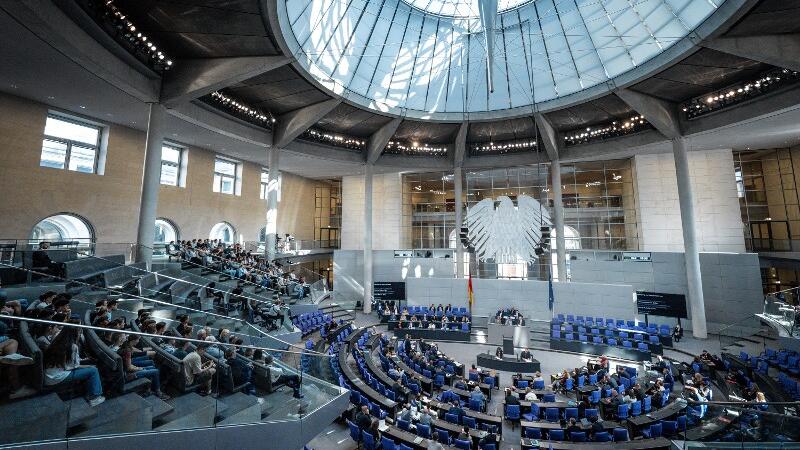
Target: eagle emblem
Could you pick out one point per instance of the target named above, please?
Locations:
(506, 232)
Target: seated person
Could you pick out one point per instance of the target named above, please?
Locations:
(41, 261)
(477, 395)
(198, 372)
(241, 371)
(278, 376)
(526, 355)
(62, 363)
(572, 427)
(140, 367)
(511, 398)
(530, 395)
(498, 353)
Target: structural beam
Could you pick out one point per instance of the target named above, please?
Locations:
(273, 186)
(193, 78)
(460, 147)
(781, 50)
(661, 114)
(690, 245)
(367, 301)
(488, 12)
(377, 142)
(151, 184)
(558, 219)
(548, 136)
(294, 123)
(459, 204)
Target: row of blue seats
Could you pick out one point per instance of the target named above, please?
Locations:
(653, 338)
(641, 346)
(417, 310)
(785, 361)
(367, 440)
(310, 322)
(588, 321)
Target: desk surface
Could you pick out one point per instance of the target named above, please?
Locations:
(376, 368)
(607, 424)
(543, 405)
(477, 415)
(641, 444)
(408, 438)
(673, 408)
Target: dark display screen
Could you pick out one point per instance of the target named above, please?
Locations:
(658, 304)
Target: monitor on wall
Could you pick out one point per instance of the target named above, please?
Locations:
(661, 304)
(389, 290)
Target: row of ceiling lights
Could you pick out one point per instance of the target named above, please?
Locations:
(242, 110)
(613, 129)
(139, 42)
(739, 92)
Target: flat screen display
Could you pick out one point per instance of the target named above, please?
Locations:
(389, 290)
(660, 304)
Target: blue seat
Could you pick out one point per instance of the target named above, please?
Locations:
(555, 334)
(569, 384)
(591, 412)
(594, 397)
(355, 432)
(368, 440)
(355, 398)
(654, 339)
(475, 405)
(512, 414)
(533, 415)
(642, 347)
(452, 418)
(469, 422)
(627, 344)
(489, 382)
(654, 431)
(620, 434)
(555, 435)
(636, 408)
(669, 428)
(533, 433)
(612, 341)
(593, 378)
(463, 445)
(538, 385)
(522, 384)
(622, 411)
(647, 404)
(552, 415)
(549, 398)
(570, 412)
(387, 444)
(602, 436)
(577, 436)
(423, 430)
(443, 436)
(404, 424)
(474, 376)
(489, 447)
(438, 380)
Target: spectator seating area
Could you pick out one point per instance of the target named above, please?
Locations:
(311, 322)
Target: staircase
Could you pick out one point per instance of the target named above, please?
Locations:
(336, 311)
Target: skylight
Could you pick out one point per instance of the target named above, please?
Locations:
(427, 58)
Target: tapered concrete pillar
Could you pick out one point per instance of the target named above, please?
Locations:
(151, 183)
(367, 303)
(459, 205)
(558, 220)
(273, 179)
(691, 248)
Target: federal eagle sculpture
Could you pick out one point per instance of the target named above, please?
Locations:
(506, 233)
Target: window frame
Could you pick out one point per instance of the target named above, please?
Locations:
(178, 166)
(222, 176)
(70, 143)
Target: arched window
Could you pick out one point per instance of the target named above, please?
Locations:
(63, 227)
(165, 232)
(224, 232)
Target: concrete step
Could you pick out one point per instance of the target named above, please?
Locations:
(127, 413)
(159, 407)
(80, 412)
(242, 408)
(191, 411)
(37, 418)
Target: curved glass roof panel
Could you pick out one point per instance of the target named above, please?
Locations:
(428, 57)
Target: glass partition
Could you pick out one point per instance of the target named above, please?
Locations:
(71, 381)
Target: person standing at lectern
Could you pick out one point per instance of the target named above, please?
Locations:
(498, 353)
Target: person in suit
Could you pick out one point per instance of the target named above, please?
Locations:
(407, 344)
(498, 353)
(526, 355)
(572, 427)
(511, 398)
(456, 410)
(363, 420)
(464, 434)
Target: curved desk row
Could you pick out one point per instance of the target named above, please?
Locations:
(614, 351)
(508, 364)
(488, 419)
(353, 378)
(641, 444)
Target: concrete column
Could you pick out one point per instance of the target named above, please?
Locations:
(151, 184)
(457, 173)
(558, 220)
(691, 250)
(367, 302)
(273, 178)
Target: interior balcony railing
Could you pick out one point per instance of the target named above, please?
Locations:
(133, 386)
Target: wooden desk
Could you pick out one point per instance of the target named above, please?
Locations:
(641, 444)
(673, 408)
(479, 417)
(408, 438)
(426, 384)
(544, 425)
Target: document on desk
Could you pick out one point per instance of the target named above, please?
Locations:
(418, 440)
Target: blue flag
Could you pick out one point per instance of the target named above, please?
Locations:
(552, 299)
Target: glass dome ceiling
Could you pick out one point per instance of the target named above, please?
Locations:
(428, 58)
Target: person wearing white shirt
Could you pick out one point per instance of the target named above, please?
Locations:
(277, 376)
